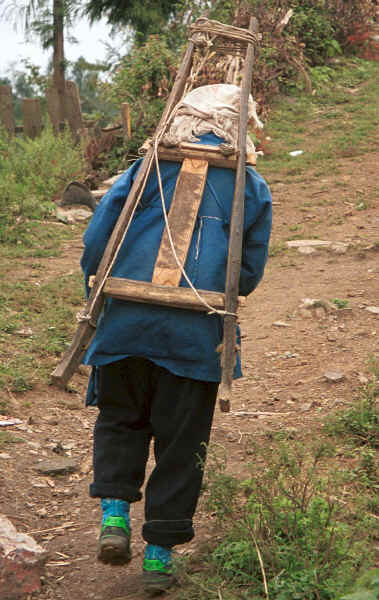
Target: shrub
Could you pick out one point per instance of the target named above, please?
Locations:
(360, 422)
(32, 174)
(292, 538)
(144, 79)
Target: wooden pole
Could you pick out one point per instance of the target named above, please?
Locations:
(58, 57)
(228, 358)
(125, 119)
(32, 117)
(86, 330)
(6, 109)
(53, 108)
(73, 109)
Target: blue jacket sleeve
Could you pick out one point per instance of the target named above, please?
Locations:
(258, 219)
(99, 230)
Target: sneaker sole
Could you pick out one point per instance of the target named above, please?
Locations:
(113, 550)
(156, 583)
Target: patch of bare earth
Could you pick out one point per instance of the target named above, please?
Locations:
(286, 352)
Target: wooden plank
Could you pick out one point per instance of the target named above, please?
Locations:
(150, 293)
(228, 357)
(86, 330)
(215, 158)
(181, 219)
(6, 109)
(32, 117)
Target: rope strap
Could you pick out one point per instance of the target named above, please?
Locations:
(85, 317)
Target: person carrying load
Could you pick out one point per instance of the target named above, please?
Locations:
(156, 369)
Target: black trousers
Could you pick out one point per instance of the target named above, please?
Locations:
(140, 401)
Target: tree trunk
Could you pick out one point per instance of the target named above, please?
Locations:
(58, 56)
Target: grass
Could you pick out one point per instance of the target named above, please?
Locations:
(36, 324)
(301, 526)
(6, 437)
(34, 238)
(32, 174)
(339, 303)
(342, 124)
(277, 248)
(36, 316)
(361, 421)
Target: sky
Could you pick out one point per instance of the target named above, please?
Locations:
(13, 47)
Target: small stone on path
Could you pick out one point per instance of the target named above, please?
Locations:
(73, 215)
(57, 466)
(339, 248)
(281, 324)
(306, 250)
(27, 332)
(307, 243)
(373, 309)
(334, 376)
(6, 421)
(98, 194)
(21, 562)
(310, 303)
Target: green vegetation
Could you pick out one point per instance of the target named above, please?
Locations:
(343, 112)
(36, 324)
(288, 59)
(6, 437)
(340, 303)
(36, 319)
(302, 525)
(32, 174)
(361, 421)
(144, 79)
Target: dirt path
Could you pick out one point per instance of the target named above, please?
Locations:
(286, 351)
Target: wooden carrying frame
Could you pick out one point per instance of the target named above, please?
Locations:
(164, 287)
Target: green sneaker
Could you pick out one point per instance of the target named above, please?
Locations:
(157, 574)
(114, 542)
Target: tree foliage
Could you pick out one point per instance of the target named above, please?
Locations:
(36, 17)
(144, 18)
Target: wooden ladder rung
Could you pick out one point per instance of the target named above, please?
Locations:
(151, 293)
(211, 154)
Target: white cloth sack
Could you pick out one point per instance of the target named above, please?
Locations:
(210, 109)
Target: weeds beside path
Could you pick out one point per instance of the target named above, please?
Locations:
(283, 403)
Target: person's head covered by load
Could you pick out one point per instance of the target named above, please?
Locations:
(210, 109)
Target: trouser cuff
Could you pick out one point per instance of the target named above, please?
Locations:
(108, 490)
(168, 533)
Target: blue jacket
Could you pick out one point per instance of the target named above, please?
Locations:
(180, 340)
